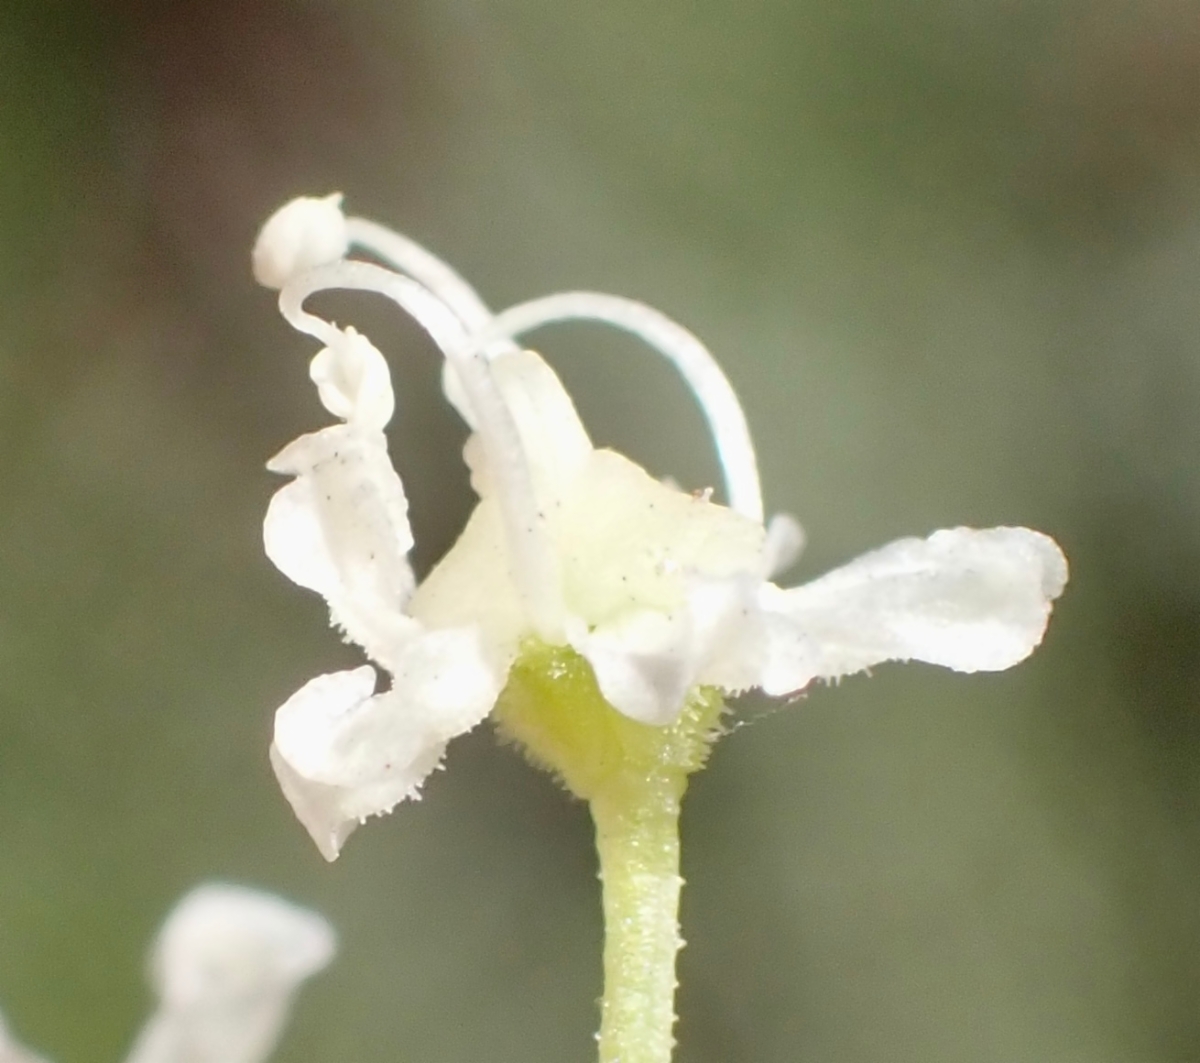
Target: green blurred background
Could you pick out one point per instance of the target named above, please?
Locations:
(949, 254)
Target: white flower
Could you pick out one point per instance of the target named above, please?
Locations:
(225, 966)
(661, 591)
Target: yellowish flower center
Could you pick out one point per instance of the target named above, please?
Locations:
(552, 708)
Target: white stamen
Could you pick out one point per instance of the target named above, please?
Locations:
(418, 262)
(695, 363)
(426, 309)
(424, 266)
(534, 562)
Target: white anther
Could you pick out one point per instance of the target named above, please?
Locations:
(300, 235)
(418, 262)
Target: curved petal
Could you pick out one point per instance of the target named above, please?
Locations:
(472, 586)
(647, 662)
(341, 529)
(553, 438)
(644, 665)
(343, 753)
(225, 966)
(353, 381)
(968, 599)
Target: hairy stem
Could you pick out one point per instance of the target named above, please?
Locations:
(633, 776)
(637, 837)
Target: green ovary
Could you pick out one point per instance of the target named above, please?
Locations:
(553, 709)
(633, 776)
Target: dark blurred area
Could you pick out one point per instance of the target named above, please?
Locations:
(950, 255)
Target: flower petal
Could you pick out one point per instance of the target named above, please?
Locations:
(343, 753)
(628, 541)
(647, 662)
(472, 586)
(353, 381)
(972, 600)
(341, 529)
(553, 438)
(225, 966)
(644, 665)
(641, 563)
(650, 575)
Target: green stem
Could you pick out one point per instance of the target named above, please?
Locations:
(638, 844)
(633, 776)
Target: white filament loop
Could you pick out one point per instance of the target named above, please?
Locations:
(534, 563)
(424, 266)
(695, 363)
(697, 366)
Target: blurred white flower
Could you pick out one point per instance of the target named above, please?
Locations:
(11, 1051)
(661, 591)
(225, 966)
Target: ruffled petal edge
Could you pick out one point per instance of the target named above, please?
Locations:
(964, 598)
(343, 753)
